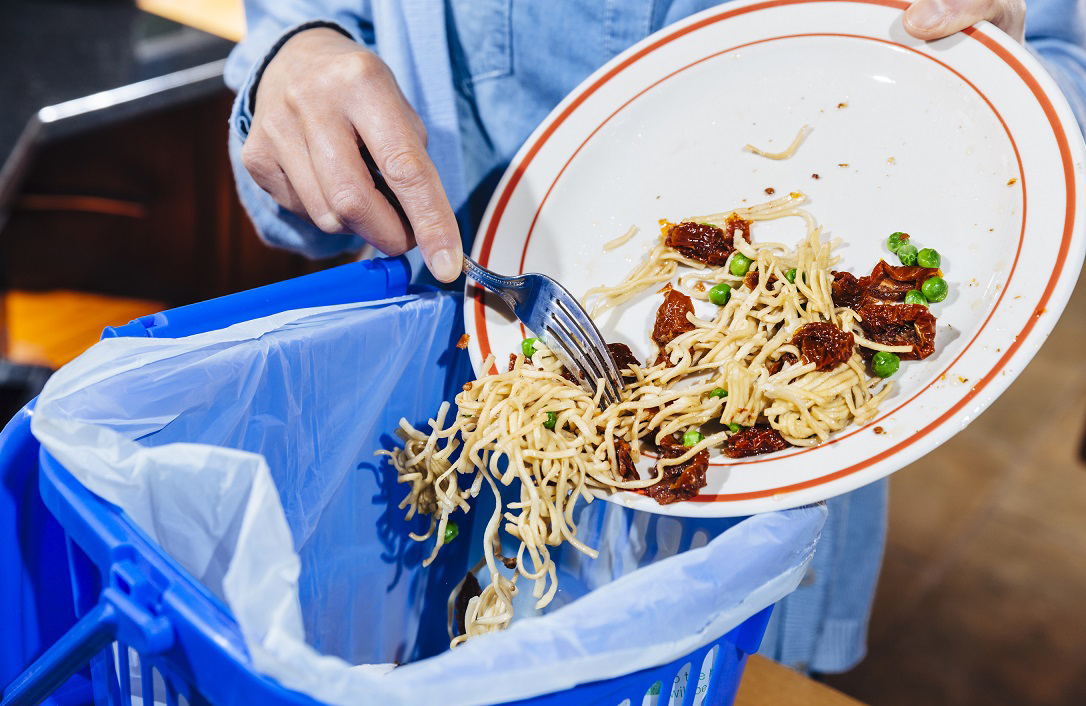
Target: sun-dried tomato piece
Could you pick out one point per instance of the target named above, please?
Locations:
(624, 464)
(512, 361)
(846, 289)
(775, 366)
(470, 589)
(891, 283)
(755, 440)
(900, 325)
(734, 223)
(671, 317)
(700, 241)
(681, 481)
(707, 243)
(752, 279)
(823, 344)
(623, 357)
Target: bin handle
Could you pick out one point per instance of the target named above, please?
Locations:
(116, 616)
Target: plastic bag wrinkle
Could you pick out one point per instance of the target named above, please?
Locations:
(247, 453)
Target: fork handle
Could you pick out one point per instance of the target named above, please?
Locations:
(490, 279)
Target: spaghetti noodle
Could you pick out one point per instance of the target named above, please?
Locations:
(788, 151)
(778, 363)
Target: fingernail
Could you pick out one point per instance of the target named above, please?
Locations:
(329, 223)
(926, 15)
(444, 265)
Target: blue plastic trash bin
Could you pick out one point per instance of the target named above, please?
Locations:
(85, 592)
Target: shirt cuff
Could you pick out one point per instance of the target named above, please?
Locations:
(241, 115)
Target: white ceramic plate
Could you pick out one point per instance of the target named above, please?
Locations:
(965, 143)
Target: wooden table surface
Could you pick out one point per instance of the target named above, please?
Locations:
(223, 18)
(766, 683)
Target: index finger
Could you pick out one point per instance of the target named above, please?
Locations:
(413, 180)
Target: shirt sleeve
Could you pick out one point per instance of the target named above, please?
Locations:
(1056, 35)
(269, 24)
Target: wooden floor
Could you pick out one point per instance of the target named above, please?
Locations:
(52, 328)
(982, 598)
(766, 683)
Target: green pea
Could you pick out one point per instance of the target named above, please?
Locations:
(552, 419)
(528, 347)
(719, 392)
(928, 257)
(896, 240)
(885, 364)
(733, 427)
(790, 275)
(935, 289)
(451, 530)
(907, 254)
(692, 438)
(720, 294)
(740, 264)
(915, 296)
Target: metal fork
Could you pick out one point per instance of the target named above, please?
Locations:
(549, 311)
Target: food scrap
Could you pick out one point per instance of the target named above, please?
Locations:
(772, 358)
(705, 242)
(463, 342)
(680, 481)
(671, 318)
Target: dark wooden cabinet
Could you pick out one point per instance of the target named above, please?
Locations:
(143, 208)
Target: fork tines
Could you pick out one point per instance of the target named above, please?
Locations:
(552, 313)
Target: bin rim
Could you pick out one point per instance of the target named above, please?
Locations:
(110, 537)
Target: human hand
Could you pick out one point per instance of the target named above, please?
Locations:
(934, 19)
(319, 100)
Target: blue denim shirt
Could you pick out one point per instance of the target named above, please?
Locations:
(482, 77)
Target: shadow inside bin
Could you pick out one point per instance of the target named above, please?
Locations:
(435, 582)
(392, 528)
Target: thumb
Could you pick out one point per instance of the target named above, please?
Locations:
(934, 19)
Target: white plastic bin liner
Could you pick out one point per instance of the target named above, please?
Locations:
(247, 454)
